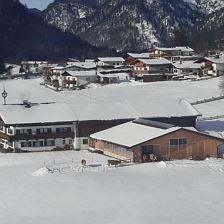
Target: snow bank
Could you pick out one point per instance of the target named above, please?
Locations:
(161, 164)
(195, 185)
(40, 172)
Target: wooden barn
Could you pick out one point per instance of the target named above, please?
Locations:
(139, 139)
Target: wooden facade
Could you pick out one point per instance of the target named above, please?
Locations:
(156, 77)
(129, 59)
(198, 146)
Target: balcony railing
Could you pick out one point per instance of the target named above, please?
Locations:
(73, 82)
(42, 136)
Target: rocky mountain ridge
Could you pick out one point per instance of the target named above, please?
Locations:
(122, 24)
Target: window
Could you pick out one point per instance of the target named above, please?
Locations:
(26, 144)
(147, 149)
(178, 141)
(63, 130)
(174, 142)
(38, 144)
(23, 144)
(43, 130)
(10, 131)
(23, 131)
(85, 141)
(49, 143)
(2, 128)
(114, 147)
(182, 141)
(70, 141)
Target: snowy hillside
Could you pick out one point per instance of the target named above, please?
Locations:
(208, 6)
(122, 24)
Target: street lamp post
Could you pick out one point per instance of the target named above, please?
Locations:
(4, 95)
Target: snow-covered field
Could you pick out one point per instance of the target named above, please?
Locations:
(165, 192)
(31, 90)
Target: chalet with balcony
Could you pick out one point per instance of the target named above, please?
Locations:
(109, 62)
(143, 66)
(77, 79)
(213, 66)
(36, 127)
(156, 69)
(170, 52)
(53, 76)
(187, 68)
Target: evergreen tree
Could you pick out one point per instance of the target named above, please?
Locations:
(26, 36)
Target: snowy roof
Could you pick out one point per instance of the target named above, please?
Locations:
(214, 108)
(187, 64)
(34, 62)
(156, 61)
(215, 60)
(80, 73)
(132, 109)
(188, 57)
(40, 113)
(84, 110)
(181, 48)
(130, 134)
(58, 68)
(141, 55)
(86, 64)
(109, 59)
